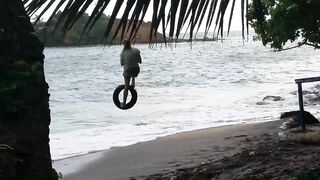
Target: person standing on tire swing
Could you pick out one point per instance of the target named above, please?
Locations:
(130, 59)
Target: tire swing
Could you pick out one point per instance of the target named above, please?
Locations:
(131, 103)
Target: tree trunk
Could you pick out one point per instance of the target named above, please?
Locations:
(24, 99)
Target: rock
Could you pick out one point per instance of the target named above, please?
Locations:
(317, 87)
(273, 98)
(314, 99)
(269, 98)
(292, 119)
(261, 103)
(304, 92)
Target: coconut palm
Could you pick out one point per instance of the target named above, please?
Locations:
(24, 107)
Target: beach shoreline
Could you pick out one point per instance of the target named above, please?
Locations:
(166, 156)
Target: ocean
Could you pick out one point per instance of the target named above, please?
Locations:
(180, 88)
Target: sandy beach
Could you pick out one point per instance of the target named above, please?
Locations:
(230, 152)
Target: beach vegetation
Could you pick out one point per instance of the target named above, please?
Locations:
(282, 22)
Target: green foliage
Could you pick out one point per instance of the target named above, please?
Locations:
(74, 37)
(287, 21)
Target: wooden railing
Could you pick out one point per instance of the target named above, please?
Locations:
(300, 95)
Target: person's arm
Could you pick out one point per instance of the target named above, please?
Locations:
(139, 58)
(121, 59)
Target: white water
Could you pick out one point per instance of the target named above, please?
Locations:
(179, 89)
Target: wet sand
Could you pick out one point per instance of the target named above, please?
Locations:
(230, 152)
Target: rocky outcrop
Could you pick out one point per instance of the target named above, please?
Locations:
(142, 35)
(291, 119)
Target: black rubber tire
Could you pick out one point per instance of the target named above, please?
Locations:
(134, 97)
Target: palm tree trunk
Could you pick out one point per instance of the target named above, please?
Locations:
(24, 107)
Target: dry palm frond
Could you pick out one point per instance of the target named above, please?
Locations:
(174, 15)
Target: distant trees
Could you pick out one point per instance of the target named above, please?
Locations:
(287, 21)
(74, 37)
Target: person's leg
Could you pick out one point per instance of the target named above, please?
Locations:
(135, 73)
(125, 91)
(133, 82)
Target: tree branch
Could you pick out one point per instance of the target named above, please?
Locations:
(297, 46)
(316, 46)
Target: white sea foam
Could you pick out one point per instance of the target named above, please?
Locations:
(179, 89)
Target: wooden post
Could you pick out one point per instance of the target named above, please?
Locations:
(301, 113)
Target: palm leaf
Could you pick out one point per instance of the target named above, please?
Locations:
(161, 18)
(113, 16)
(192, 9)
(173, 12)
(154, 19)
(123, 21)
(202, 15)
(247, 22)
(63, 15)
(183, 9)
(45, 9)
(190, 12)
(95, 15)
(144, 11)
(135, 17)
(74, 8)
(80, 13)
(242, 17)
(231, 14)
(199, 11)
(211, 13)
(223, 10)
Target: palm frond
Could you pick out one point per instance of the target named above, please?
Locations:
(202, 15)
(96, 14)
(156, 4)
(113, 16)
(183, 9)
(211, 13)
(123, 22)
(231, 15)
(175, 15)
(134, 23)
(144, 11)
(247, 20)
(224, 5)
(242, 18)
